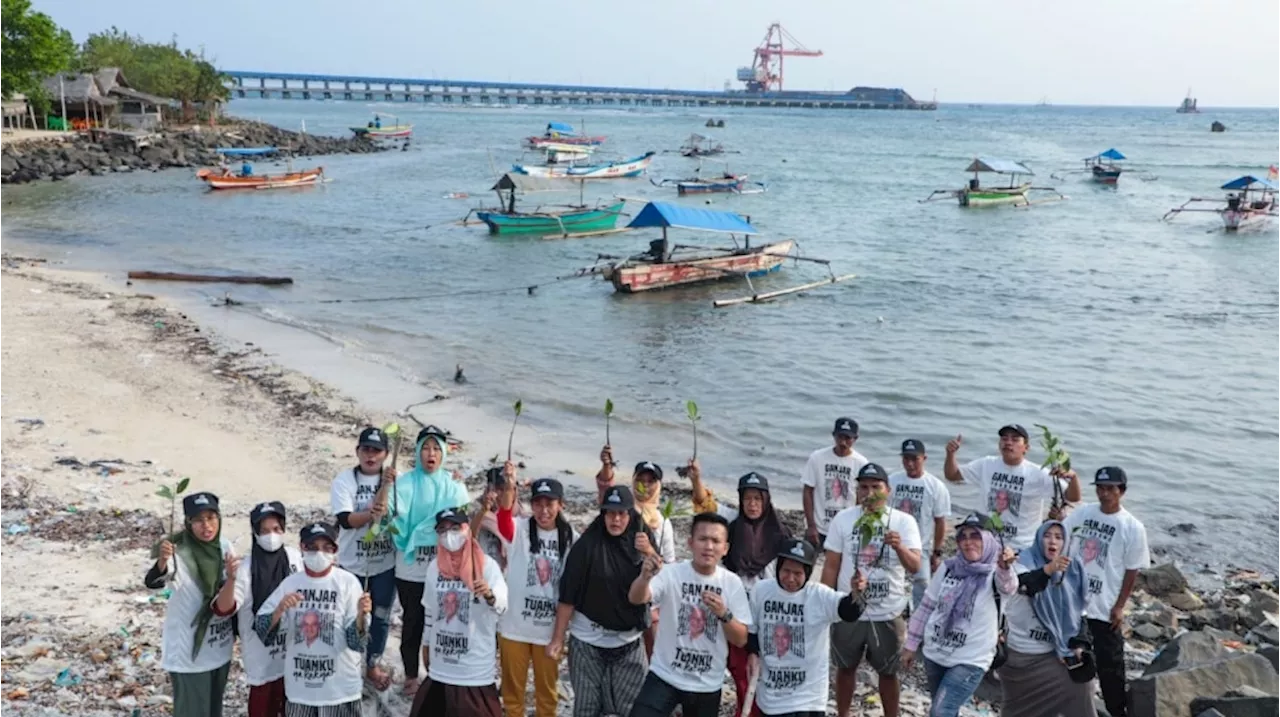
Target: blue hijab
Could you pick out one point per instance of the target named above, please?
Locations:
(1060, 605)
(419, 496)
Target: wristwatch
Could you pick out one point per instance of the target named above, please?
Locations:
(726, 617)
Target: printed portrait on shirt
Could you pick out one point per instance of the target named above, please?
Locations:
(837, 488)
(453, 606)
(695, 621)
(782, 639)
(1007, 503)
(542, 571)
(906, 505)
(312, 626)
(1091, 541)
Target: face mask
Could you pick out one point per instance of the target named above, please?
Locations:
(318, 562)
(270, 542)
(453, 540)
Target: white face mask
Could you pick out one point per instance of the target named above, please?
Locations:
(317, 561)
(270, 542)
(453, 540)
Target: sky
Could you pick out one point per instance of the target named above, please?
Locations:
(1094, 52)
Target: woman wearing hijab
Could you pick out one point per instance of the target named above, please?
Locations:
(607, 663)
(257, 576)
(419, 495)
(464, 596)
(958, 620)
(754, 535)
(1048, 673)
(196, 644)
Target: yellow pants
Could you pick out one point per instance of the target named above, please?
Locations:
(516, 657)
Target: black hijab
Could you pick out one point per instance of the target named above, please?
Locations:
(753, 544)
(268, 569)
(600, 569)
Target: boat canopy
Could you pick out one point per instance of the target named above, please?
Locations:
(666, 214)
(245, 151)
(1112, 154)
(1249, 181)
(561, 128)
(524, 183)
(999, 166)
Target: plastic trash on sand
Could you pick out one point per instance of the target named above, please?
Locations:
(66, 678)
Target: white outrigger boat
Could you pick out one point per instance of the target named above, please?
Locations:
(975, 195)
(1250, 202)
(633, 167)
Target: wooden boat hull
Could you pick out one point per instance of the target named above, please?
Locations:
(617, 170)
(1106, 175)
(637, 277)
(711, 187)
(569, 222)
(392, 132)
(1245, 218)
(562, 156)
(215, 180)
(993, 196)
(536, 142)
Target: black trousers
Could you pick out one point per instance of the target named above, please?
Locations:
(414, 619)
(659, 699)
(1108, 649)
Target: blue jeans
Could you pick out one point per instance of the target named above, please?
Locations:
(382, 590)
(950, 687)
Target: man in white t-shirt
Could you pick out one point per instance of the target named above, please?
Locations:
(704, 609)
(886, 546)
(828, 480)
(917, 492)
(1112, 543)
(1011, 486)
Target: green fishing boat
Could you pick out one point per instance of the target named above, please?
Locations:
(974, 194)
(565, 220)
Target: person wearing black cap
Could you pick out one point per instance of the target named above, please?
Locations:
(269, 563)
(884, 544)
(463, 599)
(358, 499)
(537, 548)
(828, 480)
(754, 532)
(606, 655)
(926, 499)
(1012, 486)
(323, 615)
(790, 633)
(196, 644)
(1112, 542)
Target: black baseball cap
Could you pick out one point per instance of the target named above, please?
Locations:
(649, 467)
(913, 447)
(618, 497)
(753, 480)
(873, 471)
(262, 510)
(1016, 428)
(457, 516)
(314, 531)
(797, 550)
(373, 438)
(196, 502)
(846, 427)
(973, 520)
(546, 488)
(1111, 475)
(431, 430)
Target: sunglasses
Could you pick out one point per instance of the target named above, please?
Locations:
(969, 535)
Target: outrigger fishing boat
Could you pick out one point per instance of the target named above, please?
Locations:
(727, 183)
(225, 178)
(667, 265)
(561, 133)
(1250, 202)
(567, 220)
(975, 195)
(633, 167)
(246, 151)
(566, 153)
(376, 130)
(699, 145)
(1103, 167)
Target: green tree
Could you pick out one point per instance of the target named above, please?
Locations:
(34, 47)
(161, 69)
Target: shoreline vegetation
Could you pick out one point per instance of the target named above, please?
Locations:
(111, 393)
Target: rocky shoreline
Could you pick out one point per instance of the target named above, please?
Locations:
(60, 157)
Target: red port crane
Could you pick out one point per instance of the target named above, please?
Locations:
(765, 73)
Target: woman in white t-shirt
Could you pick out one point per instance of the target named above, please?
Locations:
(196, 643)
(256, 577)
(958, 621)
(1049, 673)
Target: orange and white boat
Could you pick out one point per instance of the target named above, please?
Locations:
(227, 179)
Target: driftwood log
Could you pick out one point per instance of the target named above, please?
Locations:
(209, 278)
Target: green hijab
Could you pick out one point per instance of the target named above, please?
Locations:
(204, 561)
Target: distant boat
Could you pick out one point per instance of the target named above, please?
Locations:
(245, 151)
(974, 194)
(1188, 106)
(1250, 201)
(566, 220)
(561, 133)
(1104, 167)
(633, 167)
(226, 179)
(1044, 101)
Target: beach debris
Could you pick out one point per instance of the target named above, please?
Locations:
(457, 375)
(210, 278)
(29, 423)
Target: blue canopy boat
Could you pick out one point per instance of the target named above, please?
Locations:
(246, 151)
(1250, 201)
(1104, 168)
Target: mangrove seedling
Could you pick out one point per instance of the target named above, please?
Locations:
(376, 529)
(692, 409)
(608, 413)
(172, 494)
(1055, 457)
(518, 407)
(670, 510)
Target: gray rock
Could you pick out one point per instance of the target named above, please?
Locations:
(1149, 631)
(1162, 580)
(1169, 692)
(1234, 704)
(1185, 600)
(1220, 618)
(1209, 713)
(1272, 653)
(1261, 602)
(1190, 649)
(1268, 633)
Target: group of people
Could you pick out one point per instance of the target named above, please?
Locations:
(507, 580)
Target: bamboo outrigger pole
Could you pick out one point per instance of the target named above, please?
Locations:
(757, 298)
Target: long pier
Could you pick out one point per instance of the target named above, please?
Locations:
(283, 85)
